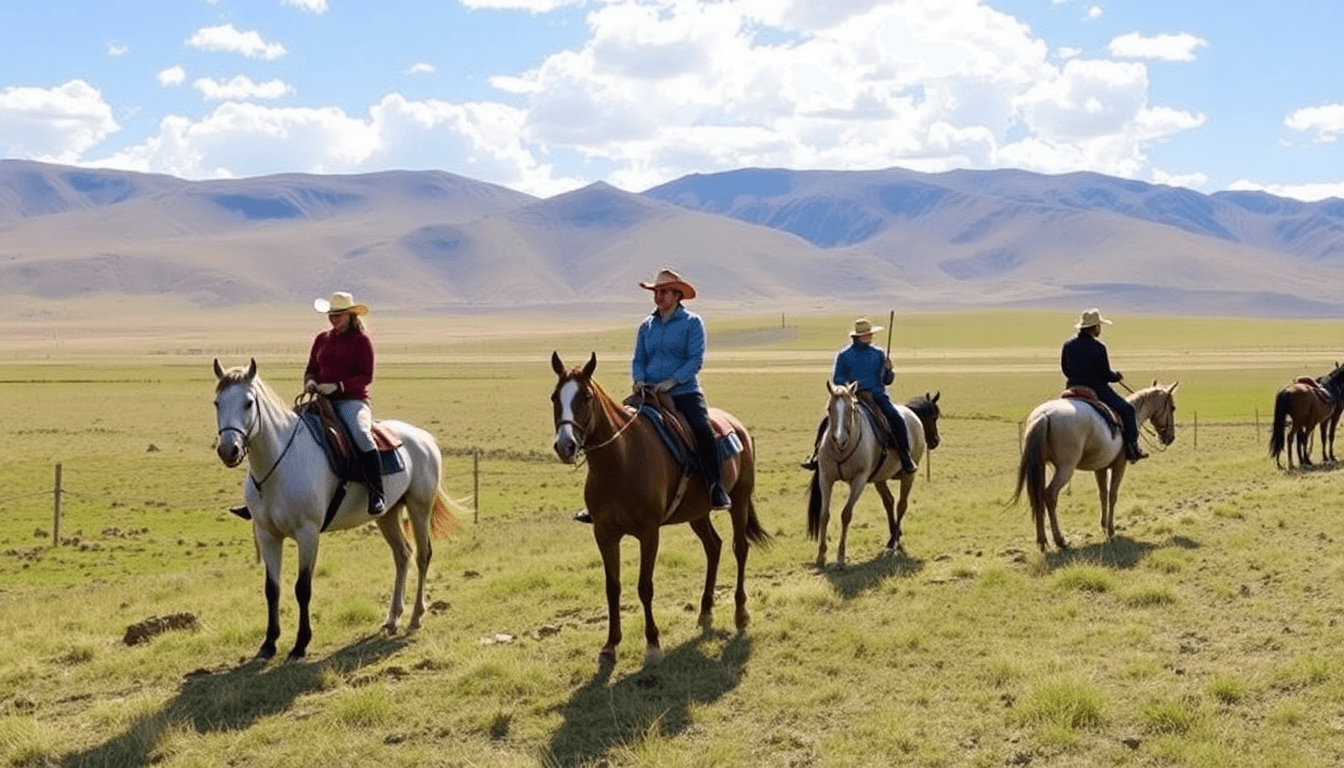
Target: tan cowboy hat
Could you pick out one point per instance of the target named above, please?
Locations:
(340, 301)
(862, 327)
(669, 279)
(1090, 318)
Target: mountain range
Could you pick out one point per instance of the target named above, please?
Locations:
(752, 238)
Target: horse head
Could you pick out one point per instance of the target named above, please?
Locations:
(235, 411)
(842, 410)
(926, 408)
(572, 406)
(1163, 411)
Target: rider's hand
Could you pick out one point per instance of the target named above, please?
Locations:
(326, 389)
(1119, 376)
(309, 386)
(665, 385)
(637, 386)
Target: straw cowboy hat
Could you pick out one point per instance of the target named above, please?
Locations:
(864, 328)
(340, 301)
(669, 279)
(1090, 318)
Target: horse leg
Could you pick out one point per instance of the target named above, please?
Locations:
(847, 514)
(741, 547)
(272, 552)
(648, 557)
(609, 546)
(825, 520)
(1057, 483)
(1117, 474)
(704, 528)
(390, 526)
(889, 504)
(303, 591)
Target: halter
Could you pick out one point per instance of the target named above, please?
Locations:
(852, 416)
(581, 433)
(247, 445)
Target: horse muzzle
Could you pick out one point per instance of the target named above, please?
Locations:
(229, 453)
(566, 448)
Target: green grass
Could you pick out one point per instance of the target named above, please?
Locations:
(1201, 636)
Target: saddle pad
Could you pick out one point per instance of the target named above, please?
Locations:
(679, 443)
(1089, 396)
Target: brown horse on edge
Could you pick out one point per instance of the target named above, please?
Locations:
(635, 487)
(1301, 407)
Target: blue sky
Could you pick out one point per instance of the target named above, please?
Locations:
(545, 96)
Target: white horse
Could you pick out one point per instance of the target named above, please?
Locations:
(290, 483)
(1069, 434)
(852, 451)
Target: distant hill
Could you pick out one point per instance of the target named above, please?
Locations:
(774, 238)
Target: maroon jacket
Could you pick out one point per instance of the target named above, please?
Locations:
(345, 360)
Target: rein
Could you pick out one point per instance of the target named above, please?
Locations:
(584, 448)
(851, 418)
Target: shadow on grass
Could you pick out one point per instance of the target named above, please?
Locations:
(230, 700)
(1122, 553)
(602, 716)
(855, 579)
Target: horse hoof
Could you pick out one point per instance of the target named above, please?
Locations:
(295, 655)
(706, 621)
(743, 619)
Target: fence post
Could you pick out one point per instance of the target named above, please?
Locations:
(1196, 431)
(476, 485)
(56, 510)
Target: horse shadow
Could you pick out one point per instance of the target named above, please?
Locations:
(234, 699)
(1121, 553)
(855, 579)
(603, 716)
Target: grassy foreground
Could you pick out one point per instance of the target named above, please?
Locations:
(1206, 634)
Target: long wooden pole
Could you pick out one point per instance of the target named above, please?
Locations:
(56, 510)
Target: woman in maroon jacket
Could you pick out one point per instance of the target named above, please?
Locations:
(340, 366)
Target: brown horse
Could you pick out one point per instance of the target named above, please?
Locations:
(1070, 434)
(635, 487)
(1301, 407)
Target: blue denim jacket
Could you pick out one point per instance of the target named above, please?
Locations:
(863, 363)
(672, 349)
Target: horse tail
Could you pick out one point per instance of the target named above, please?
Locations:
(1031, 467)
(1276, 432)
(814, 507)
(755, 533)
(442, 521)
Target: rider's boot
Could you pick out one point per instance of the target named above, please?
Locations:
(718, 499)
(583, 517)
(242, 512)
(810, 463)
(1133, 452)
(373, 476)
(903, 449)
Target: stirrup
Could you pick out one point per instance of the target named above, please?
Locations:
(583, 517)
(1134, 453)
(718, 499)
(810, 463)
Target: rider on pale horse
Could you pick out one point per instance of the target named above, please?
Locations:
(871, 367)
(340, 368)
(1085, 363)
(669, 353)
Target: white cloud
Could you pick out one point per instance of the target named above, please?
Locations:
(228, 39)
(1308, 192)
(532, 6)
(240, 88)
(1093, 12)
(174, 75)
(116, 49)
(420, 68)
(53, 124)
(1325, 123)
(312, 6)
(1162, 47)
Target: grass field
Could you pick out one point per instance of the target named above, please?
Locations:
(1205, 634)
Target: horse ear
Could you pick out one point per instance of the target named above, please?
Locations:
(252, 370)
(219, 372)
(935, 397)
(556, 365)
(590, 366)
(1173, 386)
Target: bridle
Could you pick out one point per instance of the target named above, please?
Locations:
(851, 429)
(247, 434)
(581, 432)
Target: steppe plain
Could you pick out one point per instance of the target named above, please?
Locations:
(1205, 634)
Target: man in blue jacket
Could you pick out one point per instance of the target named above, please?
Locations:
(669, 353)
(871, 367)
(1085, 362)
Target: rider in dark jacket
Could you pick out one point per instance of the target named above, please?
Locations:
(1085, 363)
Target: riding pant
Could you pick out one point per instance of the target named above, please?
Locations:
(1122, 407)
(358, 419)
(692, 406)
(894, 421)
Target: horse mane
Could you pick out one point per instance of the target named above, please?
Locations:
(238, 375)
(614, 412)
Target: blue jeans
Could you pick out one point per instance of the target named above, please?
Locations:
(692, 406)
(1123, 408)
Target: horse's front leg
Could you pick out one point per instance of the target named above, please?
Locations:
(303, 590)
(648, 557)
(390, 526)
(889, 503)
(824, 519)
(847, 514)
(271, 549)
(709, 538)
(609, 546)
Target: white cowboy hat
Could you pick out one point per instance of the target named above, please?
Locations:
(1090, 318)
(340, 301)
(669, 279)
(862, 327)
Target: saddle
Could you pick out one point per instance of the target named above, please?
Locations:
(1089, 396)
(675, 432)
(1307, 383)
(330, 432)
(877, 418)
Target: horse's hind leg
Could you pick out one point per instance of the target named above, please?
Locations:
(648, 557)
(889, 504)
(1057, 483)
(741, 548)
(390, 525)
(704, 528)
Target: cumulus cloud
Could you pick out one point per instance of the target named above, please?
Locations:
(240, 88)
(420, 68)
(116, 49)
(55, 125)
(1308, 192)
(1325, 123)
(532, 6)
(312, 6)
(1162, 47)
(230, 40)
(174, 75)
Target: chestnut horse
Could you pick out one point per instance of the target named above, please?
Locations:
(635, 487)
(1070, 434)
(852, 452)
(1299, 408)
